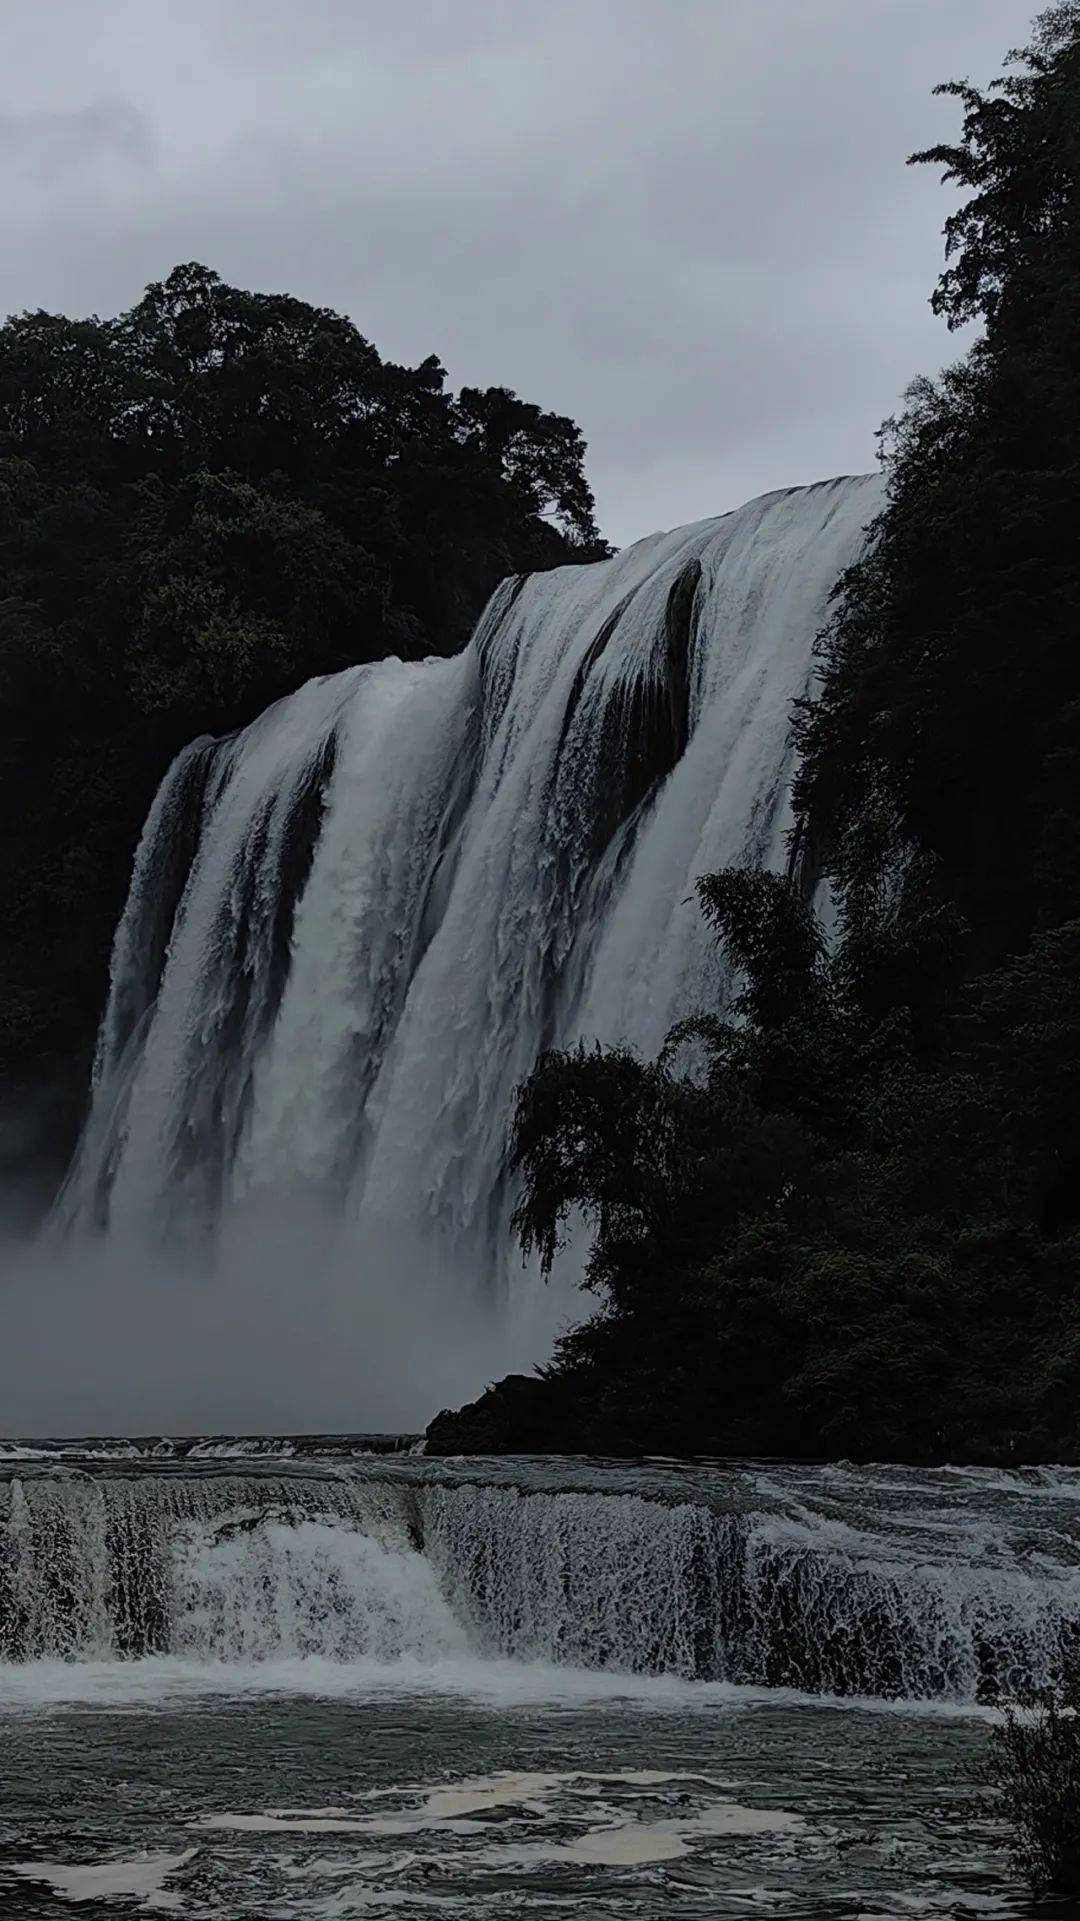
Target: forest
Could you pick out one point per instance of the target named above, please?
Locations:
(842, 1217)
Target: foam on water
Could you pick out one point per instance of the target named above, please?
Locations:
(143, 1879)
(576, 1799)
(164, 1680)
(287, 1809)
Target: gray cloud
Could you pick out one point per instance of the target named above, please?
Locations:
(686, 222)
(46, 148)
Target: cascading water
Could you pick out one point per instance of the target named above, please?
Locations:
(215, 1568)
(831, 1581)
(352, 928)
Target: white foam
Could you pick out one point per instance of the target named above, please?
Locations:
(622, 1839)
(447, 1808)
(164, 1679)
(167, 1678)
(623, 1847)
(143, 1878)
(284, 1588)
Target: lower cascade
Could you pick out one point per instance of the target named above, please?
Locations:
(831, 1581)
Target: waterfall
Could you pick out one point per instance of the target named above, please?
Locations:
(353, 926)
(677, 1588)
(217, 1569)
(861, 1582)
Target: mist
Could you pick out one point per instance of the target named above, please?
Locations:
(276, 1328)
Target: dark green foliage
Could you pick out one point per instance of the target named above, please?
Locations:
(1035, 1766)
(636, 1149)
(948, 722)
(856, 1229)
(821, 1243)
(201, 504)
(771, 936)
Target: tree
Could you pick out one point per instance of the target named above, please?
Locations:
(538, 454)
(821, 1240)
(948, 720)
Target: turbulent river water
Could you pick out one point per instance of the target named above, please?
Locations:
(332, 1677)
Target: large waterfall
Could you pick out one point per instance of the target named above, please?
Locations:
(352, 927)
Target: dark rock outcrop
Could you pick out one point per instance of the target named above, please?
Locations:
(521, 1414)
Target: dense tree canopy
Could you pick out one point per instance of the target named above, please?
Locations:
(202, 503)
(949, 718)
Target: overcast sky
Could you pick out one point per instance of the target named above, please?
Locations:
(687, 223)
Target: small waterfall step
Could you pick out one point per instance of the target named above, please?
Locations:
(879, 1582)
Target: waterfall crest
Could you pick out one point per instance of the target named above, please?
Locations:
(352, 927)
